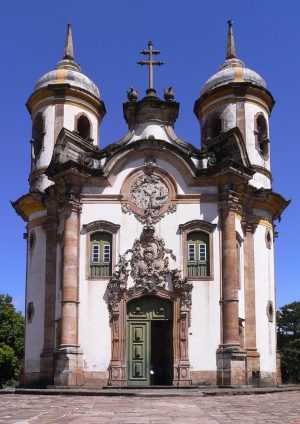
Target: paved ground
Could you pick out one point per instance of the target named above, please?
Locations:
(283, 408)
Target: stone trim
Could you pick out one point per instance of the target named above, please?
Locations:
(76, 118)
(202, 226)
(181, 365)
(270, 311)
(268, 238)
(266, 155)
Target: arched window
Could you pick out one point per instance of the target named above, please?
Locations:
(83, 127)
(101, 252)
(198, 254)
(212, 128)
(261, 132)
(38, 133)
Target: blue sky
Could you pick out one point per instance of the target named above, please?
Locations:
(108, 36)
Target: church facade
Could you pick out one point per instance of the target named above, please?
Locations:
(150, 261)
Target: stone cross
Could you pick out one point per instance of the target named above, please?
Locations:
(150, 62)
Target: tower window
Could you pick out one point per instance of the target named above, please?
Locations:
(83, 127)
(100, 261)
(261, 133)
(38, 133)
(212, 128)
(198, 254)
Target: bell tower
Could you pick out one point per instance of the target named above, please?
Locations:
(62, 98)
(237, 97)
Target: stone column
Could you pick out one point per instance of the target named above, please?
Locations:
(253, 365)
(230, 357)
(47, 356)
(69, 367)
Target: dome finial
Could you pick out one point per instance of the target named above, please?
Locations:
(68, 50)
(230, 47)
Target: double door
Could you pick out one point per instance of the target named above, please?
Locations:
(149, 342)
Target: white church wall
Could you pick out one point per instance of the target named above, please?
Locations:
(36, 264)
(264, 291)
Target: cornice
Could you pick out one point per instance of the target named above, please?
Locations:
(27, 205)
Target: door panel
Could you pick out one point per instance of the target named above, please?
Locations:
(138, 353)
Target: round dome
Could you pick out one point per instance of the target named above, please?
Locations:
(68, 72)
(232, 70)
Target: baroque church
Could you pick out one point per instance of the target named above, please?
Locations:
(150, 261)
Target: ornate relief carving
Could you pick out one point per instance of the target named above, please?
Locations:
(149, 268)
(149, 195)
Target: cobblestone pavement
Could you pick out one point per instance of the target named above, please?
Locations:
(283, 408)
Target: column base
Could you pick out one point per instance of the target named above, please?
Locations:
(231, 367)
(182, 374)
(117, 374)
(68, 366)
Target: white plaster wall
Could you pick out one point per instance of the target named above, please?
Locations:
(70, 111)
(34, 336)
(264, 291)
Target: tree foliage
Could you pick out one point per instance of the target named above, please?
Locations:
(288, 338)
(11, 340)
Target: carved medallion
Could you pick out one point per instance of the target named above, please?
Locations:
(149, 192)
(149, 195)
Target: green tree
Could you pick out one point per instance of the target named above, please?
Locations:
(11, 340)
(288, 338)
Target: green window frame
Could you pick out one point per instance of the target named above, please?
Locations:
(100, 254)
(198, 264)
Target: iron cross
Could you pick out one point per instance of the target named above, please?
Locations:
(150, 62)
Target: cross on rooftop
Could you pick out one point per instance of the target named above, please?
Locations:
(150, 62)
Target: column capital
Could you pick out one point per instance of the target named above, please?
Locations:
(249, 224)
(229, 202)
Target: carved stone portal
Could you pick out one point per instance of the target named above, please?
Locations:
(147, 263)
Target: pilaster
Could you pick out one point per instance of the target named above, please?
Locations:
(253, 358)
(47, 356)
(230, 356)
(69, 359)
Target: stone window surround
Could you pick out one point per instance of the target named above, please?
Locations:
(257, 147)
(76, 118)
(99, 226)
(268, 238)
(270, 311)
(202, 226)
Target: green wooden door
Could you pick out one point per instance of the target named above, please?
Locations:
(138, 355)
(140, 314)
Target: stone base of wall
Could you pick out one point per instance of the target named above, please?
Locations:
(95, 379)
(204, 378)
(268, 379)
(32, 379)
